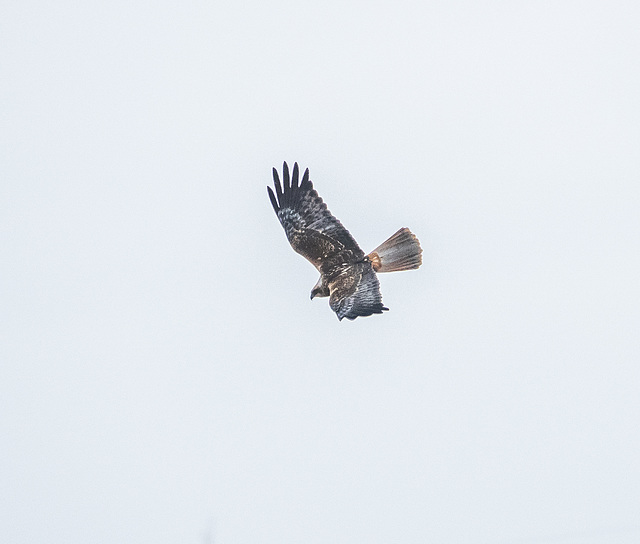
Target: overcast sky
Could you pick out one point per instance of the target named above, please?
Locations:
(164, 377)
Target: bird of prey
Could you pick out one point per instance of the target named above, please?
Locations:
(347, 276)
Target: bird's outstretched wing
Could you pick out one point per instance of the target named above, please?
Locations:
(310, 227)
(356, 293)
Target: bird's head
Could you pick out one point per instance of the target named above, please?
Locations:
(316, 292)
(319, 290)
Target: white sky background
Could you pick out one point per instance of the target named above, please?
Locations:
(164, 377)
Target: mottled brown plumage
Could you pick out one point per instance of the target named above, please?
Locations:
(347, 275)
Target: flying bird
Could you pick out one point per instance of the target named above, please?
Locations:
(347, 276)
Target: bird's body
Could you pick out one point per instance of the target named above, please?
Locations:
(347, 274)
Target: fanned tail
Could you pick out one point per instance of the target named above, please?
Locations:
(400, 252)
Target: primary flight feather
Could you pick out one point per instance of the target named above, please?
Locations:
(347, 276)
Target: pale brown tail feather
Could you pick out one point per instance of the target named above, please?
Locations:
(400, 252)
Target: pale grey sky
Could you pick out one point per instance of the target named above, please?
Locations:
(164, 375)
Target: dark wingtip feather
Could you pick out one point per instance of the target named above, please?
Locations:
(272, 197)
(305, 179)
(294, 178)
(276, 182)
(285, 178)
